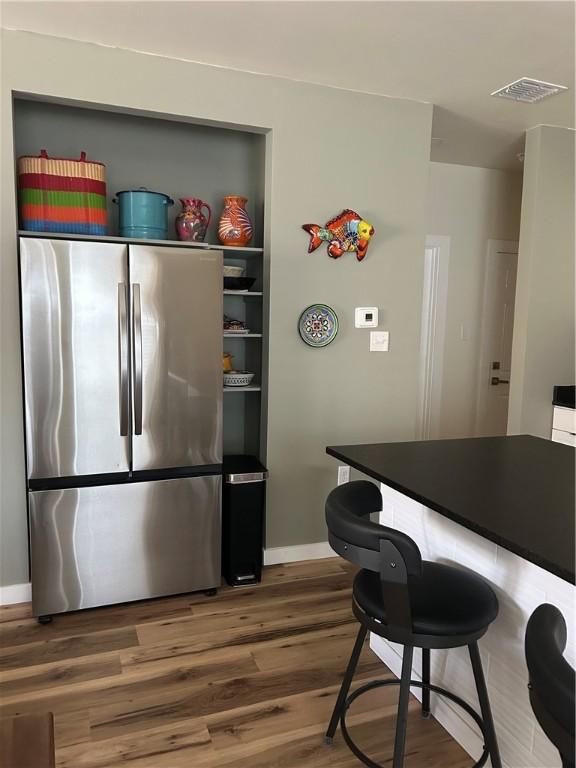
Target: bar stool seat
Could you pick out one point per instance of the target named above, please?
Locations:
(443, 601)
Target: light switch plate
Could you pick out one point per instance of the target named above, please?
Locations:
(366, 317)
(379, 341)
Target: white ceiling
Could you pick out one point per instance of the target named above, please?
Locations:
(452, 53)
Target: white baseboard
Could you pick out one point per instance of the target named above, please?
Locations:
(318, 551)
(15, 593)
(22, 593)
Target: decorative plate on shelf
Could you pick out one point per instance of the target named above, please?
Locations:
(318, 325)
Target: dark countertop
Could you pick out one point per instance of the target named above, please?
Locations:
(516, 491)
(565, 397)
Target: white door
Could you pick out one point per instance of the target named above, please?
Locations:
(496, 337)
(433, 332)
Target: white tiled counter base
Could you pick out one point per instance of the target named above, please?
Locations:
(521, 586)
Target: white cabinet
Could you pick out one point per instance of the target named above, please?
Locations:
(564, 425)
(559, 436)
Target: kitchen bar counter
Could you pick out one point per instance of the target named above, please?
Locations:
(502, 507)
(515, 491)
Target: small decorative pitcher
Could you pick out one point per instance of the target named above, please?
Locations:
(191, 223)
(235, 227)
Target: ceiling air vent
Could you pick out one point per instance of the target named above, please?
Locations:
(528, 90)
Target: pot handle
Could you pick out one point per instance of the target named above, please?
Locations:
(44, 156)
(167, 201)
(205, 205)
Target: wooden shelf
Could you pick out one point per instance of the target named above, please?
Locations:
(243, 293)
(242, 335)
(249, 388)
(230, 250)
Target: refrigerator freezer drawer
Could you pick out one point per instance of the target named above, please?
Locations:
(113, 544)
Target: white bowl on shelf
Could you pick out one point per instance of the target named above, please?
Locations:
(232, 270)
(238, 378)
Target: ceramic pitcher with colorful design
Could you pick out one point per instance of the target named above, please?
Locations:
(191, 223)
(235, 227)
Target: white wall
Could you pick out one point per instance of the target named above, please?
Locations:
(470, 205)
(544, 342)
(327, 149)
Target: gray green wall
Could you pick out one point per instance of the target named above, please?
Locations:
(543, 343)
(326, 149)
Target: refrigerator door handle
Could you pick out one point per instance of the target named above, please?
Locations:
(123, 359)
(137, 353)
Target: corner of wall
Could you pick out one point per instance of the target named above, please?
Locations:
(543, 338)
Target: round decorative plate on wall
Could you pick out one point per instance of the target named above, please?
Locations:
(318, 325)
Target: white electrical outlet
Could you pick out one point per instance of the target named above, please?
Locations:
(343, 475)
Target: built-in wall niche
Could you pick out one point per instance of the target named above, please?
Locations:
(242, 407)
(180, 159)
(242, 424)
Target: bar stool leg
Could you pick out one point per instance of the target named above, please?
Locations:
(346, 682)
(425, 680)
(491, 742)
(402, 716)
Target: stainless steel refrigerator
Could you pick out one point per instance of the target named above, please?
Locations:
(122, 358)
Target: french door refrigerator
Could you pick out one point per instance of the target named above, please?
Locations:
(122, 358)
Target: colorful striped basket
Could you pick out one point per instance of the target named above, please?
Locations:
(62, 195)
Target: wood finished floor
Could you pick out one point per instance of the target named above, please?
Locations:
(246, 679)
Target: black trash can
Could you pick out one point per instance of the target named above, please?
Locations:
(243, 510)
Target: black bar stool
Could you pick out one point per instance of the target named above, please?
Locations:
(552, 679)
(409, 601)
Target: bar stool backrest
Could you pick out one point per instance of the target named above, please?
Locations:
(374, 547)
(552, 679)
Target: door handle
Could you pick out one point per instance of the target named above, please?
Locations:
(123, 359)
(495, 380)
(137, 356)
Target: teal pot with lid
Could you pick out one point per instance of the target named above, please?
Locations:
(143, 214)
